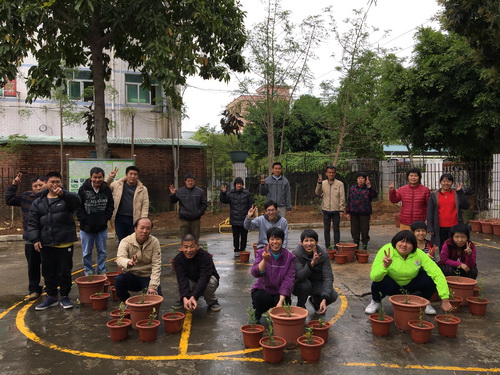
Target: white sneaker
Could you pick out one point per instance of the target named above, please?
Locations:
(372, 307)
(429, 310)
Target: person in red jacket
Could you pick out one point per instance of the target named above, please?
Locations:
(413, 197)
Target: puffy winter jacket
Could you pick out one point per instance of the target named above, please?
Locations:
(193, 202)
(52, 223)
(414, 201)
(96, 208)
(239, 202)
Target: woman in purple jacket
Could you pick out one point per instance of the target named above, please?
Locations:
(274, 268)
(458, 255)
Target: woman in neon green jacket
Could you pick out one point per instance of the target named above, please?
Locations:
(400, 264)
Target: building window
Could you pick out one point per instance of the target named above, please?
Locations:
(139, 95)
(81, 86)
(8, 88)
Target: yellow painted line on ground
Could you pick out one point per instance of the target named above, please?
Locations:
(421, 367)
(484, 244)
(11, 308)
(186, 332)
(342, 308)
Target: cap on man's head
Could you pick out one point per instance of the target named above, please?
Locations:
(188, 175)
(238, 180)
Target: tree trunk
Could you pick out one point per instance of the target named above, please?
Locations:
(100, 131)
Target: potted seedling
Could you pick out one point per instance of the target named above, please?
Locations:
(122, 310)
(461, 286)
(118, 327)
(455, 301)
(421, 329)
(148, 328)
(310, 346)
(340, 256)
(348, 249)
(173, 321)
(447, 324)
(141, 306)
(99, 301)
(288, 321)
(406, 307)
(321, 328)
(252, 332)
(477, 305)
(88, 285)
(272, 346)
(381, 322)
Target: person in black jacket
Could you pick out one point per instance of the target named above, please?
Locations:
(94, 213)
(196, 276)
(313, 274)
(52, 230)
(32, 256)
(240, 200)
(193, 204)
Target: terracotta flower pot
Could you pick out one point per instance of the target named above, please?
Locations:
(252, 333)
(461, 286)
(88, 287)
(115, 314)
(476, 306)
(118, 332)
(173, 321)
(148, 333)
(289, 327)
(381, 328)
(340, 258)
(273, 353)
(486, 227)
(320, 331)
(456, 302)
(496, 228)
(331, 254)
(363, 257)
(348, 249)
(99, 301)
(403, 312)
(475, 225)
(113, 292)
(447, 325)
(310, 352)
(244, 256)
(477, 289)
(111, 277)
(421, 335)
(141, 311)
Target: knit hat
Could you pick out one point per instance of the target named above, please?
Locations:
(238, 180)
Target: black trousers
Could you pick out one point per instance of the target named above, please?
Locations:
(305, 289)
(262, 301)
(240, 235)
(360, 227)
(127, 281)
(330, 217)
(34, 259)
(422, 283)
(451, 271)
(57, 263)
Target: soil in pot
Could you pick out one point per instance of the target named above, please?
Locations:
(421, 331)
(349, 249)
(477, 306)
(380, 327)
(406, 307)
(289, 326)
(252, 333)
(461, 286)
(310, 352)
(173, 321)
(88, 285)
(118, 331)
(99, 301)
(148, 332)
(340, 258)
(141, 306)
(245, 256)
(320, 331)
(273, 353)
(447, 325)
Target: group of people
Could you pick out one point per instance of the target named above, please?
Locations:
(410, 261)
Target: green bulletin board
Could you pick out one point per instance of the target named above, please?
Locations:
(79, 170)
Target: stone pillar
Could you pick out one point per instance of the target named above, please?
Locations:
(239, 170)
(388, 169)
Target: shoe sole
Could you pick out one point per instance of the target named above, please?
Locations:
(33, 298)
(215, 309)
(66, 306)
(46, 307)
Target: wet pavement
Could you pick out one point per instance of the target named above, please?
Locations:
(76, 341)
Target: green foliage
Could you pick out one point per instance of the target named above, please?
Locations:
(270, 330)
(16, 145)
(217, 146)
(308, 334)
(288, 309)
(381, 311)
(251, 316)
(152, 317)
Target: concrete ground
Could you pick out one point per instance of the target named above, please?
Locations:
(57, 341)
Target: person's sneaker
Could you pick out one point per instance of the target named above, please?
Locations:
(33, 296)
(178, 306)
(49, 302)
(236, 254)
(215, 306)
(372, 307)
(66, 302)
(429, 310)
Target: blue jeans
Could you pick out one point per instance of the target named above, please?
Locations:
(88, 240)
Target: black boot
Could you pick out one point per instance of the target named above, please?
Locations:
(365, 245)
(357, 244)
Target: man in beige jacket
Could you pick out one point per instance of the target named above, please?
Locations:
(333, 203)
(139, 255)
(131, 201)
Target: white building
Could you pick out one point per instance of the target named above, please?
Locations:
(123, 97)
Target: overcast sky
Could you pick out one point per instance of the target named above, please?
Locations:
(205, 100)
